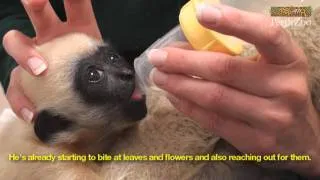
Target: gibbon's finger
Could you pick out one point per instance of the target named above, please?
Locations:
(42, 16)
(20, 47)
(20, 104)
(215, 97)
(270, 38)
(236, 132)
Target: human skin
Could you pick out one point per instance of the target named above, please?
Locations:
(261, 107)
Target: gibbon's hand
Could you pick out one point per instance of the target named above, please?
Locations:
(47, 26)
(261, 107)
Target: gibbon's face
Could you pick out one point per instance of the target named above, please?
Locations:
(87, 88)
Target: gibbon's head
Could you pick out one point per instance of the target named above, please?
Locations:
(86, 96)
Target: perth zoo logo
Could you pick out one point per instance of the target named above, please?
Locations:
(292, 11)
(292, 16)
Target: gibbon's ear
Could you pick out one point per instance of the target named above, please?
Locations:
(46, 125)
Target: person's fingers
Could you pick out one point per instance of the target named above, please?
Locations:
(215, 97)
(232, 130)
(270, 38)
(80, 13)
(20, 104)
(42, 16)
(237, 72)
(20, 47)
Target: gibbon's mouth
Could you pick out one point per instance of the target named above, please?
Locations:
(137, 95)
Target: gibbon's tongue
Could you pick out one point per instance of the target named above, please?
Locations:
(136, 95)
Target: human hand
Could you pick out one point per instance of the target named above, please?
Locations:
(47, 25)
(261, 107)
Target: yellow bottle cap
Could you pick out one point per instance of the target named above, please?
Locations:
(202, 38)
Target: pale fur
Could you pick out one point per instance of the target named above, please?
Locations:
(164, 130)
(54, 90)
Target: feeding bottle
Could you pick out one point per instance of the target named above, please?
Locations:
(191, 31)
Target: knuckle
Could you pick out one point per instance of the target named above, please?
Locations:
(15, 78)
(187, 108)
(302, 64)
(215, 122)
(11, 96)
(14, 74)
(215, 96)
(175, 85)
(275, 35)
(279, 119)
(297, 93)
(299, 97)
(227, 68)
(267, 143)
(182, 106)
(212, 122)
(285, 121)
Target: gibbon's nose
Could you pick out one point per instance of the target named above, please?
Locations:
(125, 74)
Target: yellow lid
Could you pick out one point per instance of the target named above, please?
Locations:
(202, 38)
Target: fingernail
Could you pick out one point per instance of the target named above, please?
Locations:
(27, 115)
(36, 65)
(208, 13)
(158, 78)
(157, 56)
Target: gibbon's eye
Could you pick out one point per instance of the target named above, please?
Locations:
(95, 75)
(113, 57)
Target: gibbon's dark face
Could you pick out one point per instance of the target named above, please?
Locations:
(106, 79)
(88, 88)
